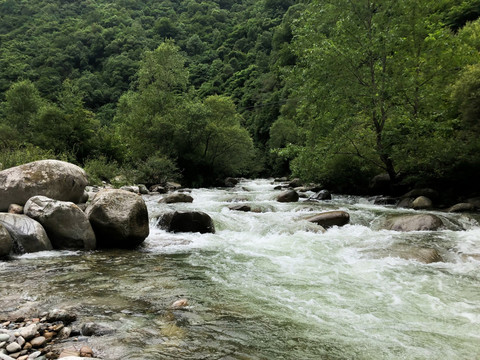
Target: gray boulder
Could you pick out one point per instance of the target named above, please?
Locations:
(6, 242)
(288, 196)
(158, 189)
(192, 221)
(421, 222)
(410, 252)
(66, 224)
(27, 234)
(143, 189)
(321, 195)
(119, 219)
(176, 198)
(406, 203)
(422, 202)
(330, 218)
(56, 179)
(131, 188)
(295, 183)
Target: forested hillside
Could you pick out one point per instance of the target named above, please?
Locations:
(333, 90)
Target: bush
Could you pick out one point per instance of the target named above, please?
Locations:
(10, 157)
(157, 169)
(101, 169)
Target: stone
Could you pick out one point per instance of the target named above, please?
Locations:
(421, 222)
(330, 218)
(427, 192)
(119, 219)
(193, 221)
(133, 189)
(288, 196)
(321, 195)
(385, 200)
(27, 234)
(4, 337)
(20, 340)
(158, 188)
(170, 185)
(34, 355)
(5, 357)
(176, 198)
(422, 202)
(56, 179)
(230, 182)
(6, 246)
(70, 352)
(38, 341)
(62, 315)
(66, 224)
(420, 254)
(28, 332)
(64, 333)
(24, 357)
(91, 329)
(406, 203)
(462, 207)
(380, 184)
(13, 347)
(86, 351)
(180, 303)
(240, 207)
(15, 209)
(143, 189)
(295, 183)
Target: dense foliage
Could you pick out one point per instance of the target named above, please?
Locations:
(334, 91)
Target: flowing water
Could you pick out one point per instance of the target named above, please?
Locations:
(268, 285)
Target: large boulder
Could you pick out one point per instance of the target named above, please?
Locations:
(421, 222)
(192, 221)
(176, 198)
(330, 218)
(411, 252)
(66, 224)
(56, 179)
(288, 196)
(119, 219)
(27, 234)
(6, 242)
(422, 202)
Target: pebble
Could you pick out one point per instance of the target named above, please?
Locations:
(20, 340)
(34, 355)
(13, 347)
(85, 351)
(28, 332)
(180, 303)
(38, 341)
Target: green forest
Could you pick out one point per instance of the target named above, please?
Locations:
(330, 91)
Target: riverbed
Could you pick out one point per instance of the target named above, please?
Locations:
(267, 285)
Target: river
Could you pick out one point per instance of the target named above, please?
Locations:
(267, 285)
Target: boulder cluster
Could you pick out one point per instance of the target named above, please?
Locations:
(43, 206)
(38, 338)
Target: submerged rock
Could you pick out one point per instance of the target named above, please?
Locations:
(193, 221)
(66, 224)
(176, 198)
(321, 195)
(119, 219)
(288, 196)
(421, 222)
(56, 179)
(462, 207)
(240, 207)
(97, 329)
(27, 234)
(330, 218)
(407, 252)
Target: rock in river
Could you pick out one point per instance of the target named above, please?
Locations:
(330, 218)
(288, 196)
(119, 219)
(6, 242)
(27, 234)
(421, 222)
(56, 179)
(192, 221)
(66, 224)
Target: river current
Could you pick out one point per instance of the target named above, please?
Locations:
(267, 285)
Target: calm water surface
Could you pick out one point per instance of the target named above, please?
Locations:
(267, 285)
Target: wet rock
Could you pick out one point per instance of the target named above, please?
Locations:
(406, 203)
(321, 195)
(193, 221)
(427, 192)
(62, 315)
(240, 207)
(176, 198)
(66, 224)
(230, 182)
(158, 188)
(6, 244)
(172, 186)
(422, 202)
(462, 207)
(295, 183)
(385, 200)
(15, 209)
(420, 254)
(288, 196)
(56, 179)
(421, 222)
(86, 351)
(143, 189)
(27, 234)
(132, 189)
(119, 219)
(330, 218)
(282, 179)
(91, 329)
